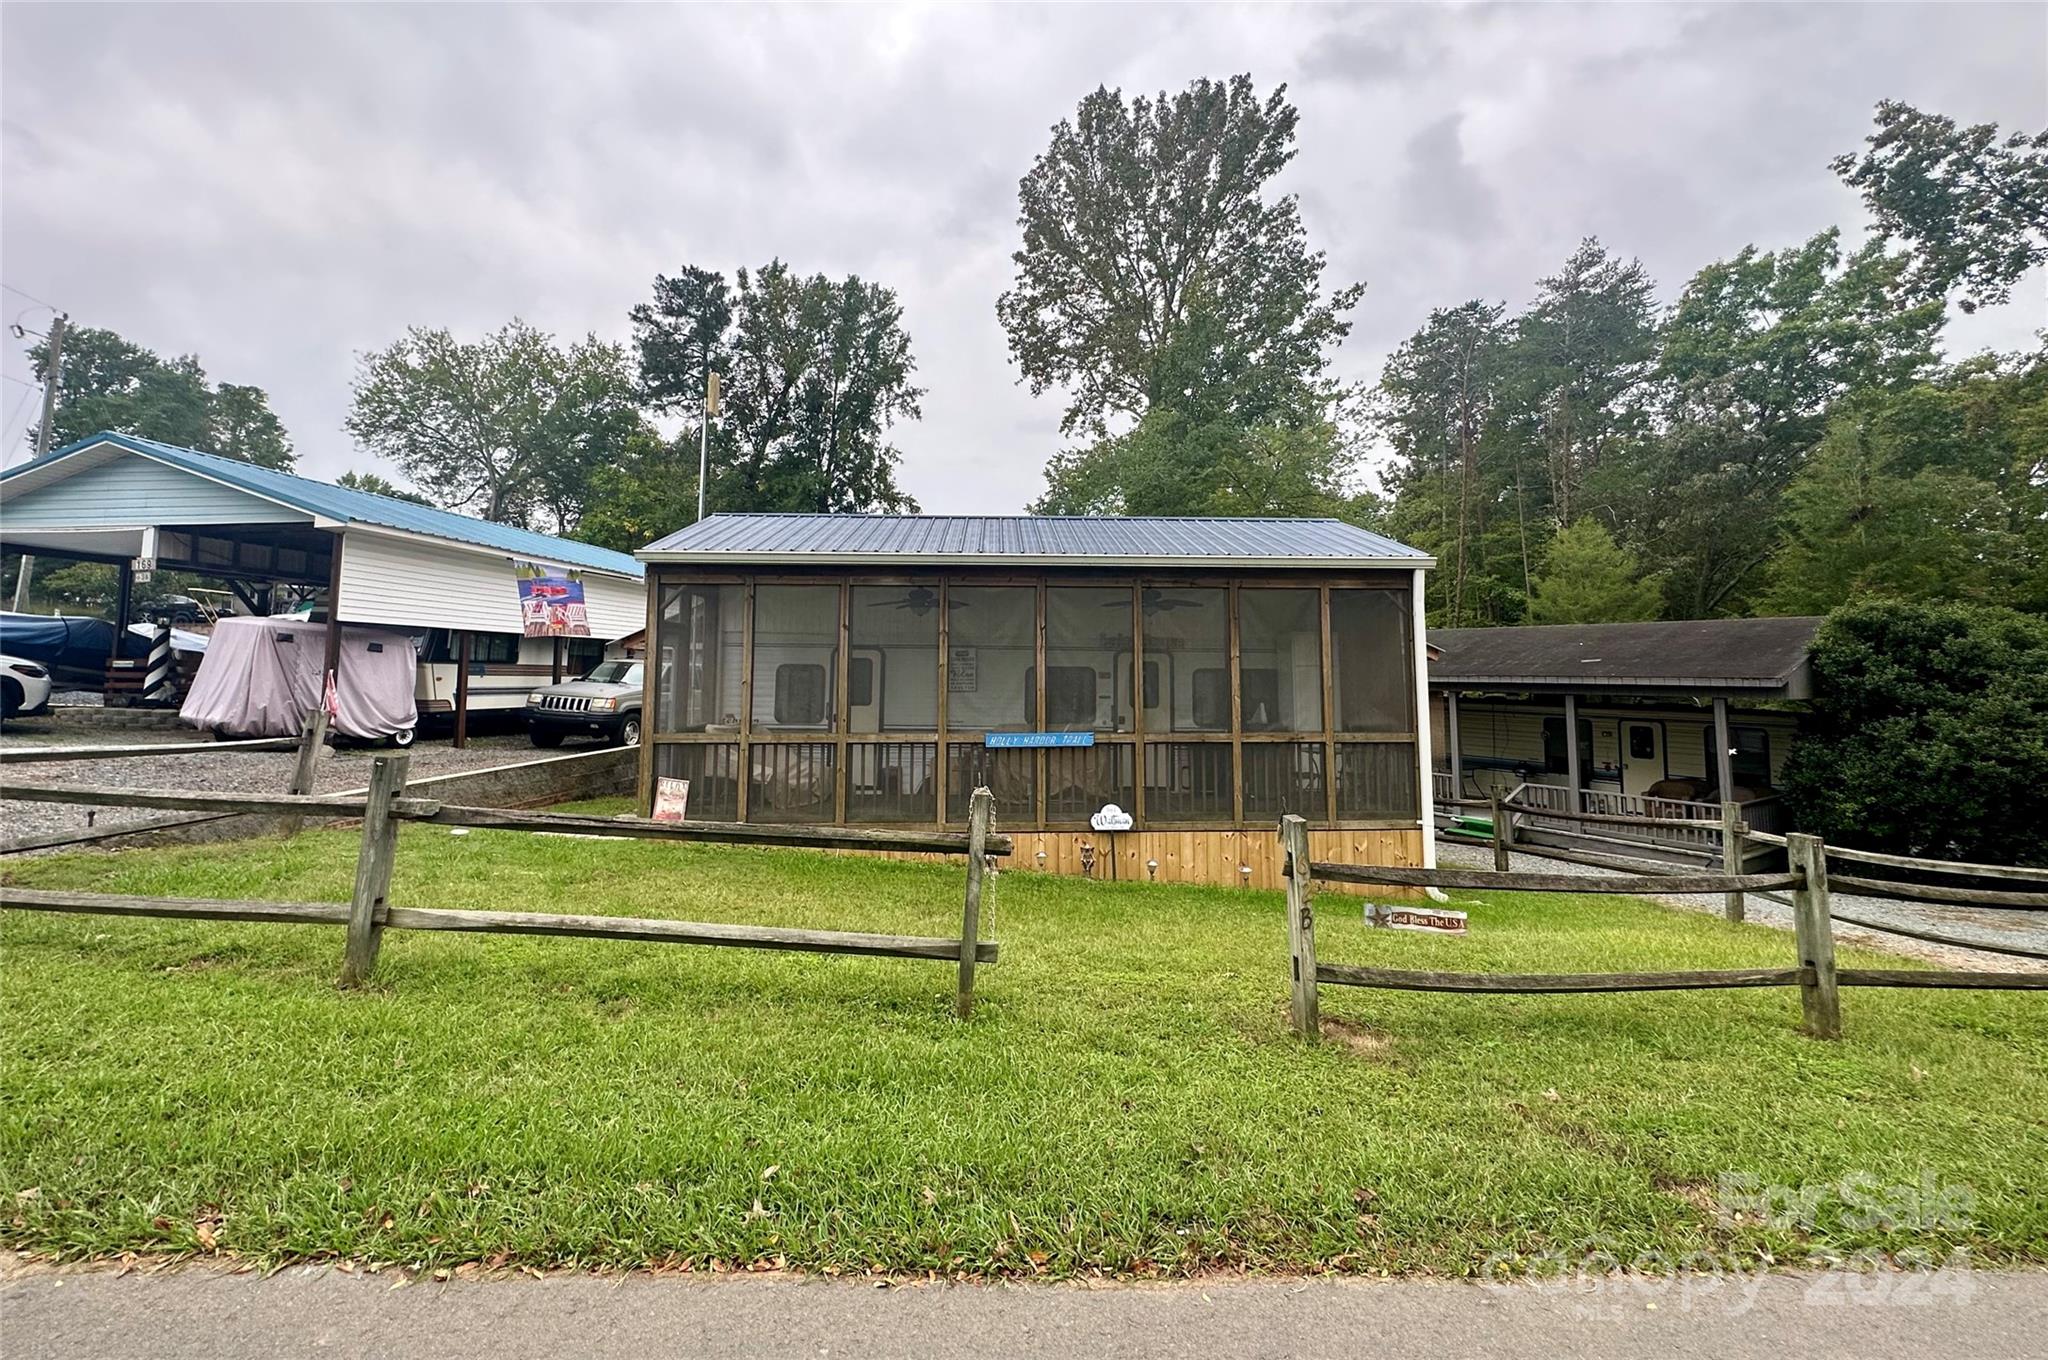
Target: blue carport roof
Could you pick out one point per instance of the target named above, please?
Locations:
(351, 507)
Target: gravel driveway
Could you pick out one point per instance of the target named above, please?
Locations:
(2024, 929)
(223, 772)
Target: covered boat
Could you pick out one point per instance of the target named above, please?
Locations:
(262, 676)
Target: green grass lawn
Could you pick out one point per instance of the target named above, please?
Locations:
(1126, 1096)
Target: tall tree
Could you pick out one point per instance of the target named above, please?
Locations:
(1972, 209)
(1755, 353)
(1139, 214)
(510, 427)
(1584, 355)
(110, 383)
(1588, 578)
(1440, 403)
(816, 372)
(1936, 492)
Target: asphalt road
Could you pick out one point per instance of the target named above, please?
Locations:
(312, 1311)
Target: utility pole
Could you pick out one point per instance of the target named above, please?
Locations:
(704, 437)
(52, 357)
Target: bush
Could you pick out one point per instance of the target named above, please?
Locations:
(1929, 733)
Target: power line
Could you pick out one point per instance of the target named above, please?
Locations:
(23, 292)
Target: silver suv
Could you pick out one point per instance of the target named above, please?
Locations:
(604, 703)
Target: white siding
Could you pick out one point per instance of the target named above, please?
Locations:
(413, 583)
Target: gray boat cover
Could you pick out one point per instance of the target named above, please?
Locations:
(261, 677)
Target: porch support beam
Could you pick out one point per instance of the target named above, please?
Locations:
(1456, 751)
(1724, 756)
(1572, 773)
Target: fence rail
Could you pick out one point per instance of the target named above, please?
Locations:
(40, 755)
(384, 807)
(1815, 974)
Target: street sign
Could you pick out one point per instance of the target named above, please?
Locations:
(1003, 740)
(1434, 920)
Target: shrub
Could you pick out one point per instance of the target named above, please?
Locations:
(1929, 733)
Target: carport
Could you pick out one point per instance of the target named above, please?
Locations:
(144, 506)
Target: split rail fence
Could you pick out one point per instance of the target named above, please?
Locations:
(384, 808)
(1736, 838)
(1814, 972)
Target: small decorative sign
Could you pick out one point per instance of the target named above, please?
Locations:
(551, 603)
(1111, 818)
(1434, 920)
(671, 800)
(1002, 740)
(963, 670)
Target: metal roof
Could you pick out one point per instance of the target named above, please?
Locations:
(1760, 657)
(327, 501)
(1089, 540)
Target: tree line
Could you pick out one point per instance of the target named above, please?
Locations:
(1784, 436)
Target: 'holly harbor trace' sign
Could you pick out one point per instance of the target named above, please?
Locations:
(551, 602)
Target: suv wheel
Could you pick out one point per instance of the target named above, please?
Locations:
(11, 695)
(629, 730)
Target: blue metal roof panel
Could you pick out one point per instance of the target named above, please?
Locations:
(356, 507)
(827, 538)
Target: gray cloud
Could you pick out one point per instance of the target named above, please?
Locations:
(276, 188)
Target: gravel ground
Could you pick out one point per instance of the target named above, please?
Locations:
(2026, 929)
(225, 772)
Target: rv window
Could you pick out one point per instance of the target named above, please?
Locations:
(1642, 742)
(1553, 746)
(1751, 761)
(1069, 696)
(1261, 701)
(1212, 699)
(799, 694)
(860, 681)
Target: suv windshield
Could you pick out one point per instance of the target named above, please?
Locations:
(616, 673)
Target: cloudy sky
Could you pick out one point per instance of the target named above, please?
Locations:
(278, 188)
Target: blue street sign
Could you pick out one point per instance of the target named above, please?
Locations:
(1012, 739)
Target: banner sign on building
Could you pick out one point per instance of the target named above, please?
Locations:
(551, 602)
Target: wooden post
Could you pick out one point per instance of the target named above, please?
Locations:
(555, 666)
(980, 810)
(312, 737)
(1456, 751)
(1500, 836)
(1301, 926)
(124, 608)
(462, 692)
(373, 871)
(1814, 934)
(1732, 854)
(1724, 751)
(1573, 774)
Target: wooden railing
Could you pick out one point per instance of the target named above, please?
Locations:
(1815, 973)
(384, 807)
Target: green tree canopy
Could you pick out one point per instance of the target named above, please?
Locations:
(1588, 578)
(1139, 215)
(815, 371)
(109, 383)
(1972, 209)
(510, 427)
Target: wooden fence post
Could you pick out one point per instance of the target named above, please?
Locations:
(1732, 856)
(1500, 835)
(1814, 934)
(1304, 1013)
(981, 809)
(373, 871)
(312, 739)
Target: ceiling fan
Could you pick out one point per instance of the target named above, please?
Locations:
(1156, 602)
(919, 600)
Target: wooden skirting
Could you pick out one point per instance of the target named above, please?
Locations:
(1212, 857)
